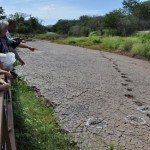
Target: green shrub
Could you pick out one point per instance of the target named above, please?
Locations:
(142, 49)
(107, 32)
(95, 39)
(72, 42)
(138, 49)
(143, 36)
(112, 147)
(95, 33)
(112, 42)
(51, 37)
(127, 46)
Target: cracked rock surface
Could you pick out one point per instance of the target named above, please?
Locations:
(96, 93)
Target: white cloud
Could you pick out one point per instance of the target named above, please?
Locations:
(22, 1)
(61, 12)
(50, 10)
(46, 9)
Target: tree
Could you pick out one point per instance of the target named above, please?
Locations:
(127, 25)
(63, 26)
(74, 30)
(26, 26)
(95, 23)
(142, 11)
(83, 20)
(22, 28)
(18, 17)
(130, 5)
(1, 10)
(85, 31)
(112, 19)
(2, 16)
(33, 23)
(91, 22)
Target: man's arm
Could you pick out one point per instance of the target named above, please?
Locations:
(26, 46)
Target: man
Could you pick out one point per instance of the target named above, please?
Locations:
(11, 30)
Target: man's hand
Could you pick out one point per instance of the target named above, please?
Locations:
(32, 49)
(9, 75)
(22, 62)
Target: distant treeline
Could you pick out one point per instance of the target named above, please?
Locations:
(26, 24)
(133, 16)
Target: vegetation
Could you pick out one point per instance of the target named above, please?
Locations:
(24, 26)
(2, 16)
(133, 16)
(138, 44)
(51, 37)
(35, 124)
(112, 147)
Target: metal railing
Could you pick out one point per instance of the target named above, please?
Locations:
(20, 37)
(7, 135)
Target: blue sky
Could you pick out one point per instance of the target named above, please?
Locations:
(50, 11)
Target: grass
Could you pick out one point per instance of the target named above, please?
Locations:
(137, 44)
(51, 37)
(36, 127)
(112, 44)
(112, 147)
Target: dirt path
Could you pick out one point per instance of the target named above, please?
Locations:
(101, 98)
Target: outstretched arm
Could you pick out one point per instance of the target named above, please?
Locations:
(15, 44)
(26, 46)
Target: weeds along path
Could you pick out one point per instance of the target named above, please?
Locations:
(101, 98)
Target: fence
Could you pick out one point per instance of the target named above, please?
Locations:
(7, 135)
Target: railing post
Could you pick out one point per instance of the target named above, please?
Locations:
(6, 133)
(1, 120)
